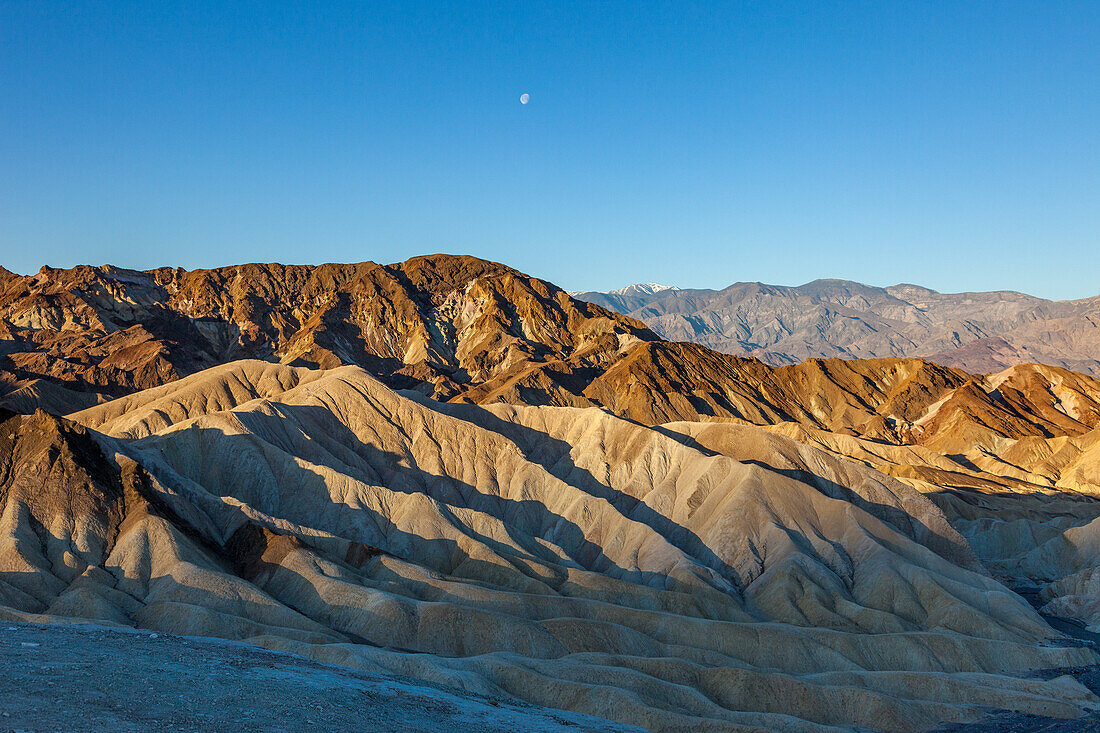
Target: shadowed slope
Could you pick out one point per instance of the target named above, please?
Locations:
(1029, 510)
(563, 556)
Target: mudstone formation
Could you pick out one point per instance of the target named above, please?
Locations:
(447, 470)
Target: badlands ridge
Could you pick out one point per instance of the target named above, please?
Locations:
(450, 471)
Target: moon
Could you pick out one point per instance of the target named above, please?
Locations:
(524, 98)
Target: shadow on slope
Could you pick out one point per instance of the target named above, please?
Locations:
(525, 521)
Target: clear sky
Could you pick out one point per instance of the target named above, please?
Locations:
(951, 144)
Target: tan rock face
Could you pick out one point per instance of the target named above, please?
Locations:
(681, 576)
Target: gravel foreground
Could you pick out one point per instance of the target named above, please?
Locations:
(92, 678)
(82, 677)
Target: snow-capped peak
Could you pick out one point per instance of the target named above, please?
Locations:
(642, 289)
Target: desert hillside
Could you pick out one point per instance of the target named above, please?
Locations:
(444, 322)
(448, 471)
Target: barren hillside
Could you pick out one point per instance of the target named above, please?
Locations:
(449, 471)
(976, 332)
(561, 556)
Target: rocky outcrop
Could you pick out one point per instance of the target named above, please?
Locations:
(440, 323)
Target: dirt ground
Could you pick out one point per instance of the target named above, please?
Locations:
(93, 678)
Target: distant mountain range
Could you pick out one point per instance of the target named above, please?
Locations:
(977, 332)
(625, 299)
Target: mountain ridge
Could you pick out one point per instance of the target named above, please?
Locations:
(442, 321)
(460, 329)
(447, 469)
(975, 331)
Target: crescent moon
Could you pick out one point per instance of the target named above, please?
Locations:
(524, 98)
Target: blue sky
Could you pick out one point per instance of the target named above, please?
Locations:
(955, 145)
